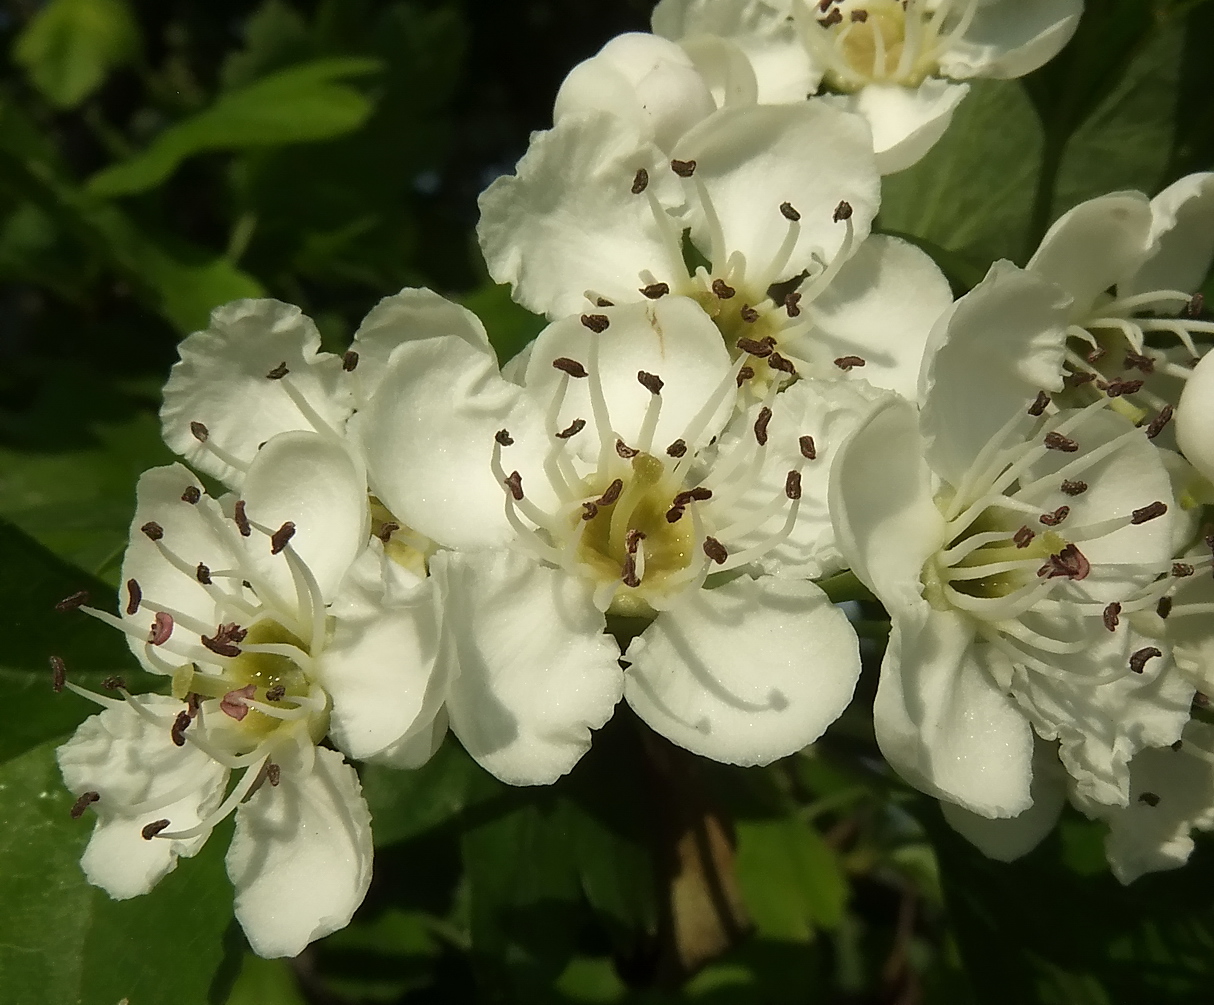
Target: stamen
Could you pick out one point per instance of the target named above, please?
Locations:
(234, 703)
(761, 424)
(842, 212)
(754, 347)
(791, 302)
(199, 432)
(203, 574)
(1155, 509)
(1038, 407)
(792, 485)
(808, 450)
(847, 363)
(58, 674)
(789, 212)
(684, 169)
(715, 550)
(349, 361)
(1182, 570)
(722, 289)
(677, 449)
(503, 437)
(134, 596)
(624, 450)
(612, 493)
(575, 427)
(1159, 422)
(640, 181)
(1164, 607)
(241, 519)
(278, 372)
(597, 323)
(1056, 441)
(655, 291)
(1138, 660)
(1112, 616)
(1055, 518)
(778, 362)
(152, 530)
(1069, 562)
(589, 511)
(279, 539)
(276, 693)
(162, 629)
(748, 314)
(83, 803)
(180, 724)
(515, 484)
(745, 374)
(650, 381)
(1023, 537)
(154, 828)
(191, 495)
(1074, 488)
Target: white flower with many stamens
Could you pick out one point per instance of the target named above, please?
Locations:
(896, 62)
(1013, 543)
(613, 481)
(278, 624)
(779, 200)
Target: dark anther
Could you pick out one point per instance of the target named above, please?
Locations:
(825, 5)
(1023, 537)
(749, 314)
(191, 495)
(789, 212)
(1196, 306)
(1074, 488)
(1164, 607)
(278, 372)
(1055, 518)
(114, 683)
(778, 362)
(640, 181)
(792, 485)
(754, 347)
(193, 700)
(722, 289)
(1056, 441)
(843, 211)
(632, 540)
(589, 511)
(859, 15)
(1177, 745)
(570, 366)
(180, 724)
(674, 514)
(386, 530)
(808, 449)
(515, 484)
(761, 425)
(83, 803)
(833, 18)
(624, 450)
(684, 169)
(791, 303)
(58, 674)
(1138, 660)
(280, 537)
(1112, 616)
(1069, 562)
(1039, 404)
(134, 596)
(1157, 423)
(242, 519)
(1155, 509)
(597, 323)
(628, 574)
(152, 530)
(203, 574)
(698, 494)
(715, 550)
(846, 363)
(1201, 700)
(154, 828)
(1117, 388)
(655, 291)
(1137, 361)
(199, 431)
(1149, 798)
(504, 438)
(745, 374)
(276, 693)
(1182, 570)
(349, 361)
(162, 628)
(1096, 355)
(603, 302)
(650, 381)
(677, 449)
(220, 646)
(273, 773)
(78, 599)
(1078, 378)
(612, 493)
(575, 427)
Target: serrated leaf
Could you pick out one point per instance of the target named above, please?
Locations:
(297, 105)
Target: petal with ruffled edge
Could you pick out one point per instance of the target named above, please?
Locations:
(985, 360)
(407, 316)
(1182, 238)
(300, 859)
(1095, 246)
(428, 438)
(751, 671)
(906, 122)
(1009, 38)
(378, 666)
(567, 221)
(536, 672)
(753, 159)
(1195, 417)
(881, 307)
(724, 68)
(221, 381)
(671, 338)
(129, 761)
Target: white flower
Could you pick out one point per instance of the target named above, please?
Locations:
(898, 64)
(594, 488)
(1013, 543)
(278, 624)
(1195, 418)
(779, 200)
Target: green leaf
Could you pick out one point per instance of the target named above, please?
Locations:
(275, 36)
(70, 46)
(265, 982)
(297, 105)
(510, 327)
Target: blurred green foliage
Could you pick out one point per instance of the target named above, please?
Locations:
(160, 158)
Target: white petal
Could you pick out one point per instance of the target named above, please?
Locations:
(1096, 245)
(378, 666)
(986, 359)
(745, 673)
(1182, 237)
(568, 221)
(536, 672)
(128, 760)
(428, 439)
(1195, 417)
(417, 748)
(1009, 38)
(1192, 637)
(724, 68)
(221, 382)
(881, 307)
(671, 338)
(300, 859)
(906, 122)
(409, 315)
(1008, 838)
(752, 159)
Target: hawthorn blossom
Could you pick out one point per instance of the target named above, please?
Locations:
(278, 623)
(616, 484)
(899, 64)
(778, 199)
(1012, 542)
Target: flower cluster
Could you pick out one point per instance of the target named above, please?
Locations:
(742, 391)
